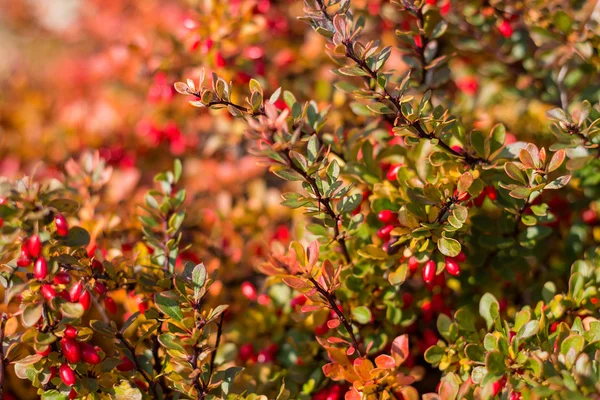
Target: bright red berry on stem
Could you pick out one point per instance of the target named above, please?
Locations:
(97, 265)
(48, 292)
(142, 304)
(126, 365)
(62, 278)
(505, 29)
(70, 349)
(452, 266)
(298, 301)
(392, 174)
(110, 305)
(40, 269)
(321, 329)
(70, 332)
(491, 193)
(67, 375)
(498, 386)
(85, 300)
(246, 352)
(387, 216)
(100, 288)
(429, 271)
(589, 216)
(385, 232)
(75, 291)
(249, 291)
(89, 354)
(62, 226)
(24, 259)
(44, 352)
(34, 246)
(72, 394)
(515, 396)
(413, 264)
(461, 257)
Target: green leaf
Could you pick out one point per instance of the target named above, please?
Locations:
(169, 341)
(497, 138)
(32, 314)
(66, 206)
(449, 247)
(489, 309)
(494, 362)
(361, 314)
(168, 306)
(72, 310)
(76, 237)
(54, 395)
(528, 330)
(177, 169)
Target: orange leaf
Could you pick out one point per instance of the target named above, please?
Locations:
(400, 349)
(385, 361)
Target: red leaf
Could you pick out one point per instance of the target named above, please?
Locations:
(333, 323)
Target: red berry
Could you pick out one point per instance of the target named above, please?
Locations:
(263, 299)
(392, 174)
(75, 291)
(264, 356)
(429, 270)
(461, 257)
(387, 216)
(126, 365)
(97, 265)
(142, 304)
(34, 246)
(65, 295)
(62, 278)
(385, 232)
(70, 349)
(515, 396)
(24, 259)
(85, 300)
(70, 332)
(452, 266)
(413, 264)
(554, 326)
(40, 269)
(418, 41)
(321, 329)
(48, 291)
(505, 29)
(478, 201)
(89, 354)
(491, 193)
(589, 216)
(67, 375)
(246, 352)
(44, 352)
(62, 226)
(407, 299)
(110, 305)
(100, 288)
(498, 386)
(249, 291)
(72, 394)
(298, 301)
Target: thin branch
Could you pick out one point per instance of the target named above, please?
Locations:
(217, 342)
(2, 355)
(138, 367)
(330, 297)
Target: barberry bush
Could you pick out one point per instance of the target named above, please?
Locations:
(327, 199)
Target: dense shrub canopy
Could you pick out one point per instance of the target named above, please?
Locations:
(328, 199)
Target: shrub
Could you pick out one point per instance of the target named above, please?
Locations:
(447, 172)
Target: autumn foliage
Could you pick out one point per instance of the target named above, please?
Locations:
(314, 200)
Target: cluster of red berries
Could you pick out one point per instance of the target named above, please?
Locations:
(249, 291)
(266, 355)
(451, 265)
(73, 352)
(334, 392)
